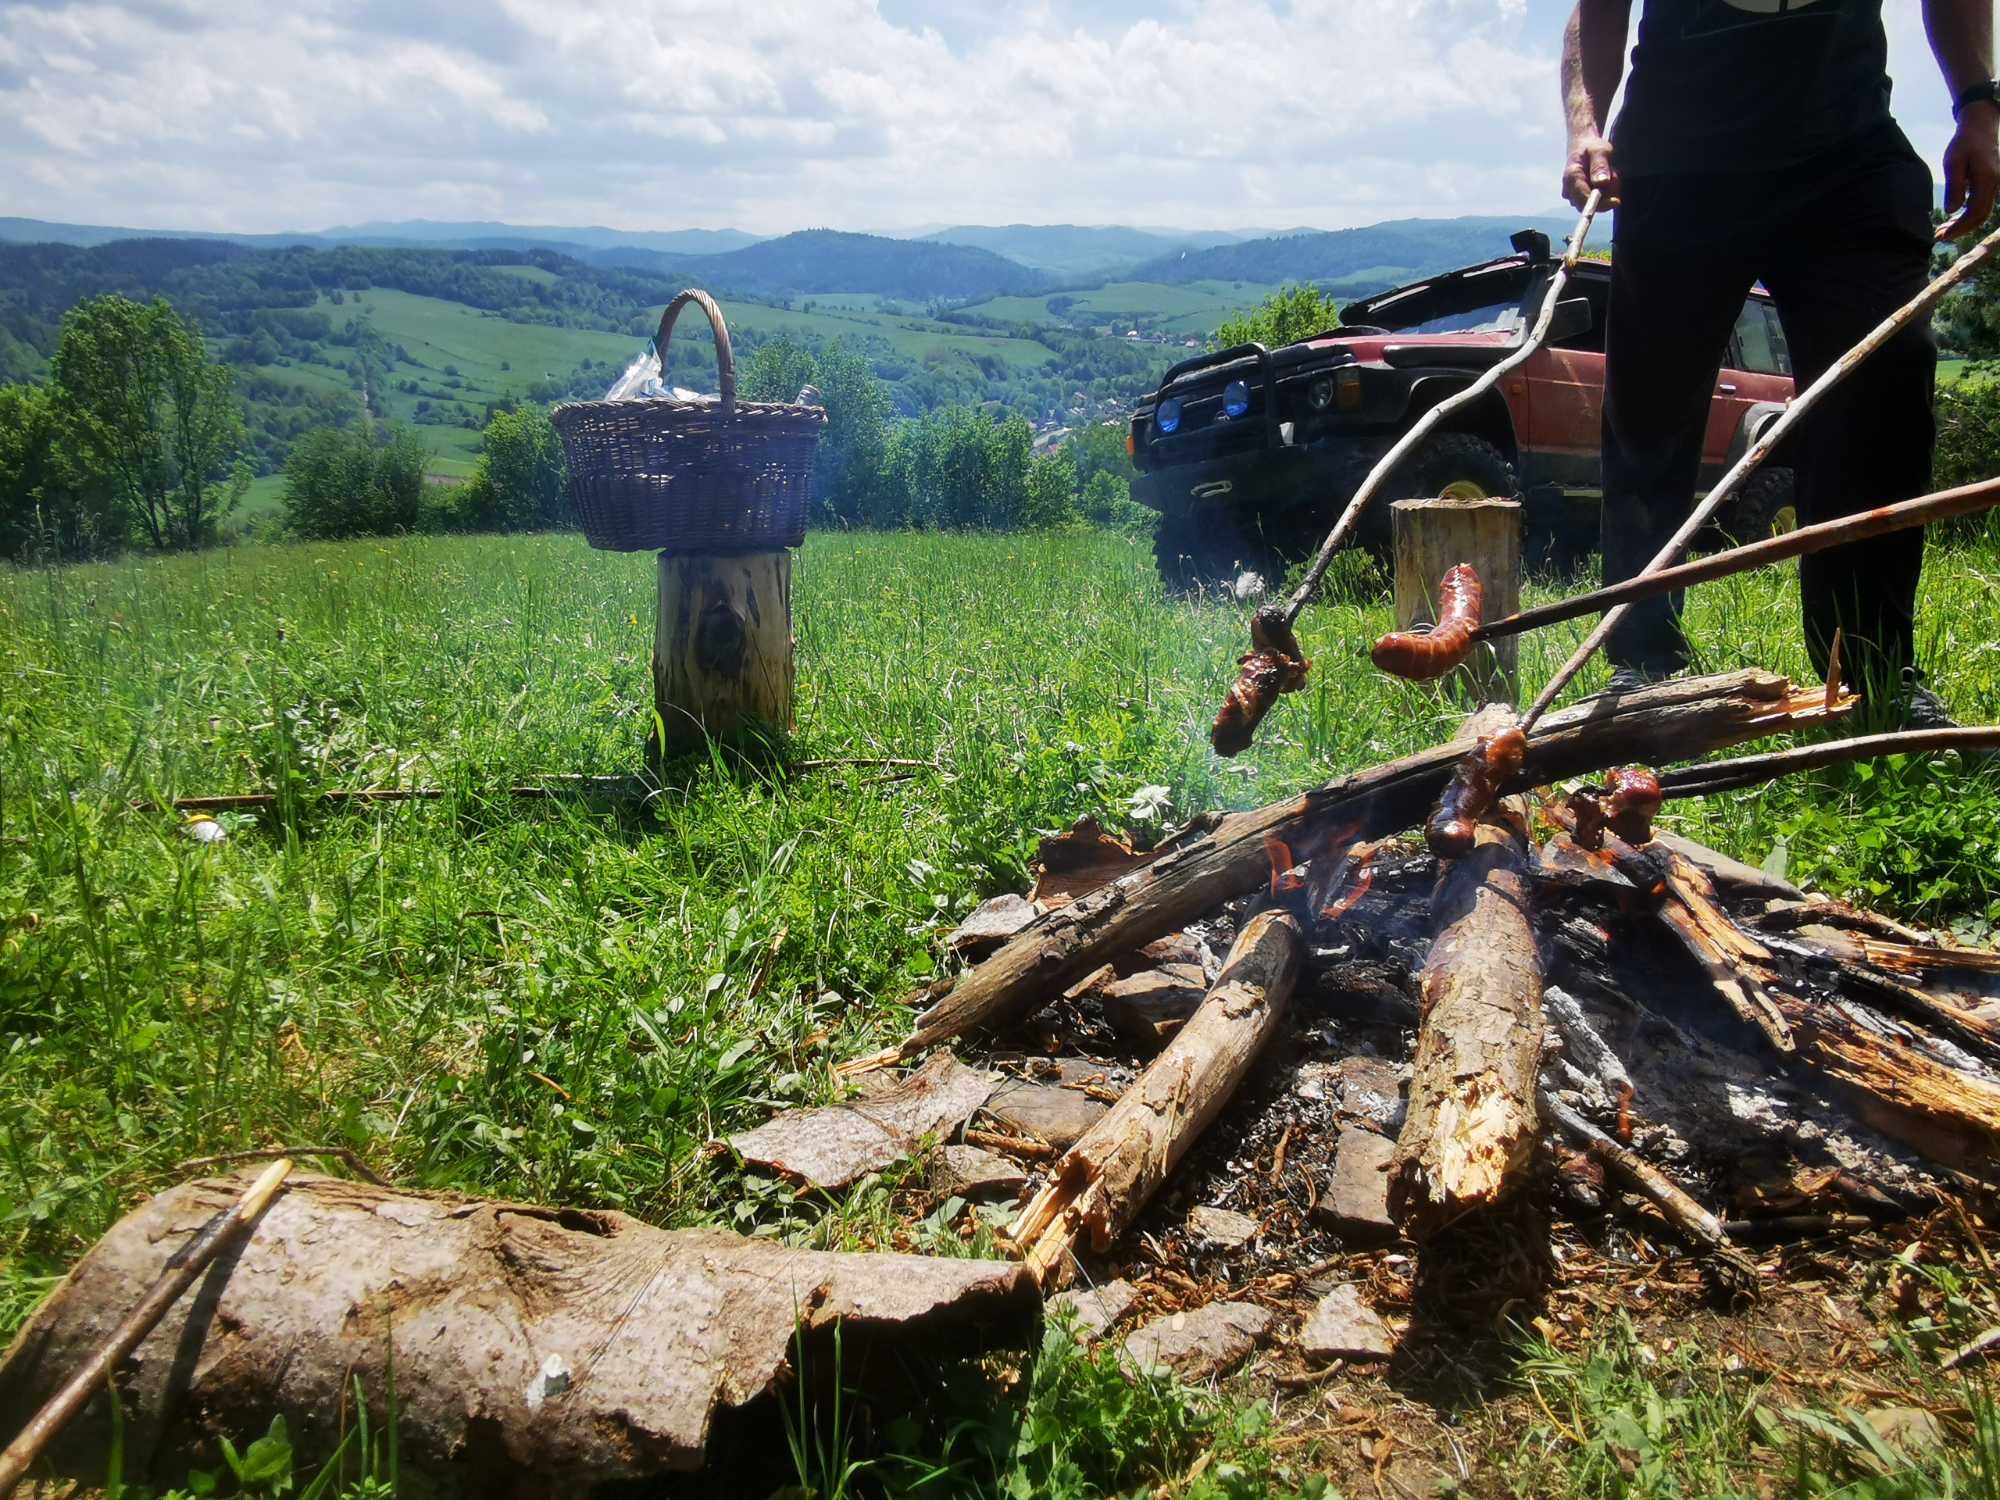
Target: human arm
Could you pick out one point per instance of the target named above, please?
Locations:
(1593, 60)
(1961, 33)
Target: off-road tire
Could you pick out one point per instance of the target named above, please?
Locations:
(1764, 505)
(1204, 553)
(1446, 459)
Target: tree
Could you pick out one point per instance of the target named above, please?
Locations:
(778, 371)
(358, 481)
(47, 506)
(851, 454)
(522, 483)
(1286, 316)
(153, 413)
(1049, 491)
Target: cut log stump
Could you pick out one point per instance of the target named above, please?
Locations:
(535, 1350)
(1433, 536)
(722, 649)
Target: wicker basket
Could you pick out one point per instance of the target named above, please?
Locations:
(691, 476)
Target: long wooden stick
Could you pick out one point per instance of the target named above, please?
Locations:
(1686, 1215)
(182, 1269)
(1802, 403)
(1923, 511)
(1343, 529)
(1749, 770)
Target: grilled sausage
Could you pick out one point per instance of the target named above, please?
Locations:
(1475, 786)
(1631, 797)
(1275, 665)
(1420, 657)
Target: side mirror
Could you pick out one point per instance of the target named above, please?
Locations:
(1572, 317)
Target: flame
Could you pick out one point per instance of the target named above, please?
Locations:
(1279, 853)
(1362, 867)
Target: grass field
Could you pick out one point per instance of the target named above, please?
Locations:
(409, 980)
(1193, 309)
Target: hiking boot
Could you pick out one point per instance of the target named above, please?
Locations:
(1917, 707)
(1627, 680)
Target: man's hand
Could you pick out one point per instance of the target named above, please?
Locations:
(1591, 166)
(1971, 170)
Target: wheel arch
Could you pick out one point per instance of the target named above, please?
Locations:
(1487, 417)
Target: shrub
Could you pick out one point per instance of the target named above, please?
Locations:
(355, 482)
(522, 483)
(1968, 444)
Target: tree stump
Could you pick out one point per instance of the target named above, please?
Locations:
(1432, 536)
(722, 649)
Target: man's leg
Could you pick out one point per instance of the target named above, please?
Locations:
(1857, 249)
(1677, 285)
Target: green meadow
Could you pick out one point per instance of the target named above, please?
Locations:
(563, 1003)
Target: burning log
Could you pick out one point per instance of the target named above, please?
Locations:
(1669, 721)
(557, 1350)
(1472, 1123)
(1103, 1181)
(1947, 1113)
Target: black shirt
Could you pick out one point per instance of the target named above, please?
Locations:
(1744, 85)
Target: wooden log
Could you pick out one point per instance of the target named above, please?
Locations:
(1470, 1133)
(1668, 721)
(533, 1350)
(1103, 1180)
(1433, 536)
(1904, 1091)
(722, 648)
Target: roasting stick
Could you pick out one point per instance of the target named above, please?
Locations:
(1922, 511)
(1802, 403)
(1343, 529)
(182, 1268)
(1750, 770)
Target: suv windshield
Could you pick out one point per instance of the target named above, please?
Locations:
(1497, 317)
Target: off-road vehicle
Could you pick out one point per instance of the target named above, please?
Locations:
(1250, 453)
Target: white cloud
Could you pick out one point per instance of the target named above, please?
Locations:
(667, 113)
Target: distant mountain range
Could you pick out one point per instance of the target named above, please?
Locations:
(1379, 255)
(960, 263)
(827, 260)
(1080, 249)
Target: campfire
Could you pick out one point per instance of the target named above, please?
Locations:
(1299, 1031)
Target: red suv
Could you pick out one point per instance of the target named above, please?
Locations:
(1249, 454)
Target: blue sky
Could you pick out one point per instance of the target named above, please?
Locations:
(855, 114)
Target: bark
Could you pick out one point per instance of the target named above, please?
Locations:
(722, 646)
(1103, 1181)
(1670, 721)
(536, 1350)
(1469, 1137)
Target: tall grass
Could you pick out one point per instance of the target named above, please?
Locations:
(545, 1000)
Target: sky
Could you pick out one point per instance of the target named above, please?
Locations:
(881, 115)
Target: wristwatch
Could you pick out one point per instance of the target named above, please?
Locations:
(1987, 92)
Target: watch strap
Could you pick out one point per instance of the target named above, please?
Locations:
(1986, 92)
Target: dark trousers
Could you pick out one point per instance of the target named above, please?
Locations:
(1840, 242)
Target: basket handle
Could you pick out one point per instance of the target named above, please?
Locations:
(725, 362)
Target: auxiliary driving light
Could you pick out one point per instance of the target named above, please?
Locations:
(1236, 398)
(1319, 395)
(1168, 417)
